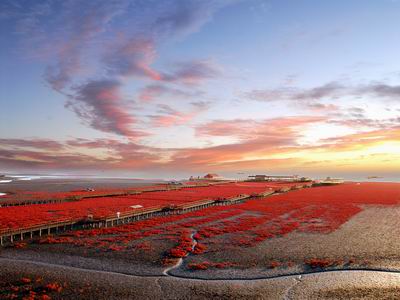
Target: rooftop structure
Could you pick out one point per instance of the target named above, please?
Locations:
(278, 178)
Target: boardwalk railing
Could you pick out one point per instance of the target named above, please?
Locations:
(93, 221)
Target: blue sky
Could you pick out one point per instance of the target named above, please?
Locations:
(172, 88)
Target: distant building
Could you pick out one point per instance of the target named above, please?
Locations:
(212, 176)
(259, 177)
(330, 181)
(174, 182)
(277, 178)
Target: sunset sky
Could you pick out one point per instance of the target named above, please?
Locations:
(168, 89)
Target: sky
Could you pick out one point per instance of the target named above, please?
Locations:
(173, 88)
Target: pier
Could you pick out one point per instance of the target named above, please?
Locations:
(21, 234)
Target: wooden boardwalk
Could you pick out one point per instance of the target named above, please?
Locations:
(20, 234)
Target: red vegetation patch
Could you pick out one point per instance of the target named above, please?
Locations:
(206, 265)
(177, 253)
(183, 248)
(16, 217)
(314, 210)
(274, 264)
(26, 280)
(318, 263)
(20, 245)
(198, 266)
(32, 289)
(54, 287)
(144, 246)
(199, 249)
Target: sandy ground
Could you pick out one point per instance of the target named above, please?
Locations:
(369, 240)
(102, 285)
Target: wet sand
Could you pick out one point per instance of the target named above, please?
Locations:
(105, 285)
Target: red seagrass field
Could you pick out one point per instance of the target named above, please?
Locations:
(347, 226)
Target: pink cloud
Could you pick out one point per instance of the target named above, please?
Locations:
(193, 72)
(100, 104)
(250, 129)
(133, 58)
(171, 117)
(42, 144)
(130, 156)
(158, 91)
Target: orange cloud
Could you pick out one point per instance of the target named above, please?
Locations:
(272, 146)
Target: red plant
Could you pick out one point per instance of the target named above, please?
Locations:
(30, 215)
(20, 245)
(315, 263)
(274, 264)
(198, 266)
(316, 210)
(206, 265)
(26, 280)
(55, 287)
(199, 249)
(177, 253)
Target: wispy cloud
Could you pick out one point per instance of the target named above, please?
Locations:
(259, 150)
(133, 58)
(159, 91)
(193, 72)
(328, 91)
(42, 144)
(278, 129)
(118, 40)
(100, 103)
(168, 116)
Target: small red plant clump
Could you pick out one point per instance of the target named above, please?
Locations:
(223, 265)
(29, 289)
(177, 253)
(199, 249)
(54, 287)
(274, 264)
(144, 246)
(317, 263)
(206, 265)
(116, 248)
(198, 266)
(183, 248)
(167, 261)
(26, 280)
(20, 245)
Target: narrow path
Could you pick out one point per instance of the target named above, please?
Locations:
(298, 276)
(167, 271)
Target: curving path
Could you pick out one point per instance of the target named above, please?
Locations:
(166, 272)
(180, 260)
(296, 286)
